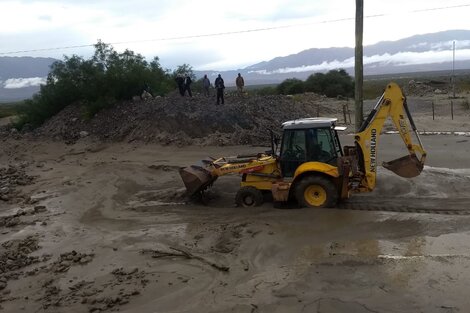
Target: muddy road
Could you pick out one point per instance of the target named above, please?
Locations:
(105, 227)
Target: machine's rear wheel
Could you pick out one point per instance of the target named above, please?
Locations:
(249, 197)
(316, 192)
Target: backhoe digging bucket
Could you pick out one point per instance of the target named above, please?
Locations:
(196, 178)
(408, 166)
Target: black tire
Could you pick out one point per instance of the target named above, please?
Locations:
(249, 197)
(316, 192)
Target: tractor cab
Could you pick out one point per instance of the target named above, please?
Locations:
(309, 140)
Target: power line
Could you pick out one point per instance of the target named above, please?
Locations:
(234, 32)
(46, 49)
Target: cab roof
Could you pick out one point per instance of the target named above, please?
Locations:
(310, 122)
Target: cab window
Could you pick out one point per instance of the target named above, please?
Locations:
(293, 151)
(321, 145)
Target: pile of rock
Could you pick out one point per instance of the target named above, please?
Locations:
(68, 259)
(10, 178)
(421, 88)
(14, 255)
(183, 121)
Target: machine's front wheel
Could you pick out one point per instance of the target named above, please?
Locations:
(249, 197)
(316, 192)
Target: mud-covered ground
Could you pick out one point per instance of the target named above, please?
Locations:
(93, 216)
(103, 227)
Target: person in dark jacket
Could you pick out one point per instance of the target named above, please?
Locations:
(180, 82)
(219, 86)
(187, 85)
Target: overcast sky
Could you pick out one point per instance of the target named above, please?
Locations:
(149, 27)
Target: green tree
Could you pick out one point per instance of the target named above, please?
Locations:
(162, 81)
(184, 70)
(291, 86)
(332, 84)
(96, 83)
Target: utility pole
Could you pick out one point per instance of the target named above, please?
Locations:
(358, 65)
(453, 70)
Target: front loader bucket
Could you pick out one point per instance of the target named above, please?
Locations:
(196, 178)
(408, 166)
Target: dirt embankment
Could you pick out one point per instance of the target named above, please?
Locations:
(183, 121)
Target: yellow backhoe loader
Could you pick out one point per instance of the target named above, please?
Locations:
(311, 167)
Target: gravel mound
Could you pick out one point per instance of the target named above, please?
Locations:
(184, 121)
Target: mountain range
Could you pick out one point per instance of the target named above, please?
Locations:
(20, 76)
(419, 53)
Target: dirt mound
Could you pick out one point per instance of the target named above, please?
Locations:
(183, 121)
(422, 88)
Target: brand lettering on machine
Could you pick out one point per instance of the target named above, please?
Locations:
(403, 127)
(373, 151)
(233, 167)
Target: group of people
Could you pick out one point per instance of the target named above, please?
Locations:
(184, 84)
(219, 87)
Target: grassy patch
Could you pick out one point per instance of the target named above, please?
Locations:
(375, 88)
(463, 84)
(465, 104)
(9, 109)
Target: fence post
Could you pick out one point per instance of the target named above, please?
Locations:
(433, 110)
(452, 109)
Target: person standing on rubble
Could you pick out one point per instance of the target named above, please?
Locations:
(180, 82)
(219, 86)
(206, 83)
(240, 82)
(187, 85)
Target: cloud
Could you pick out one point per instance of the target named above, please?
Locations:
(449, 44)
(15, 83)
(398, 59)
(150, 27)
(45, 18)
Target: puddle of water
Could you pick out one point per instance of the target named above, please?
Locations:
(430, 256)
(457, 133)
(137, 204)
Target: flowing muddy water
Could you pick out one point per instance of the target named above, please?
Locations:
(109, 229)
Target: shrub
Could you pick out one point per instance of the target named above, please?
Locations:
(332, 84)
(291, 86)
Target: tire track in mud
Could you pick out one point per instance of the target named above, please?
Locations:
(445, 206)
(435, 191)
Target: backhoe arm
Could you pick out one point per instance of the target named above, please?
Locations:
(197, 178)
(392, 104)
